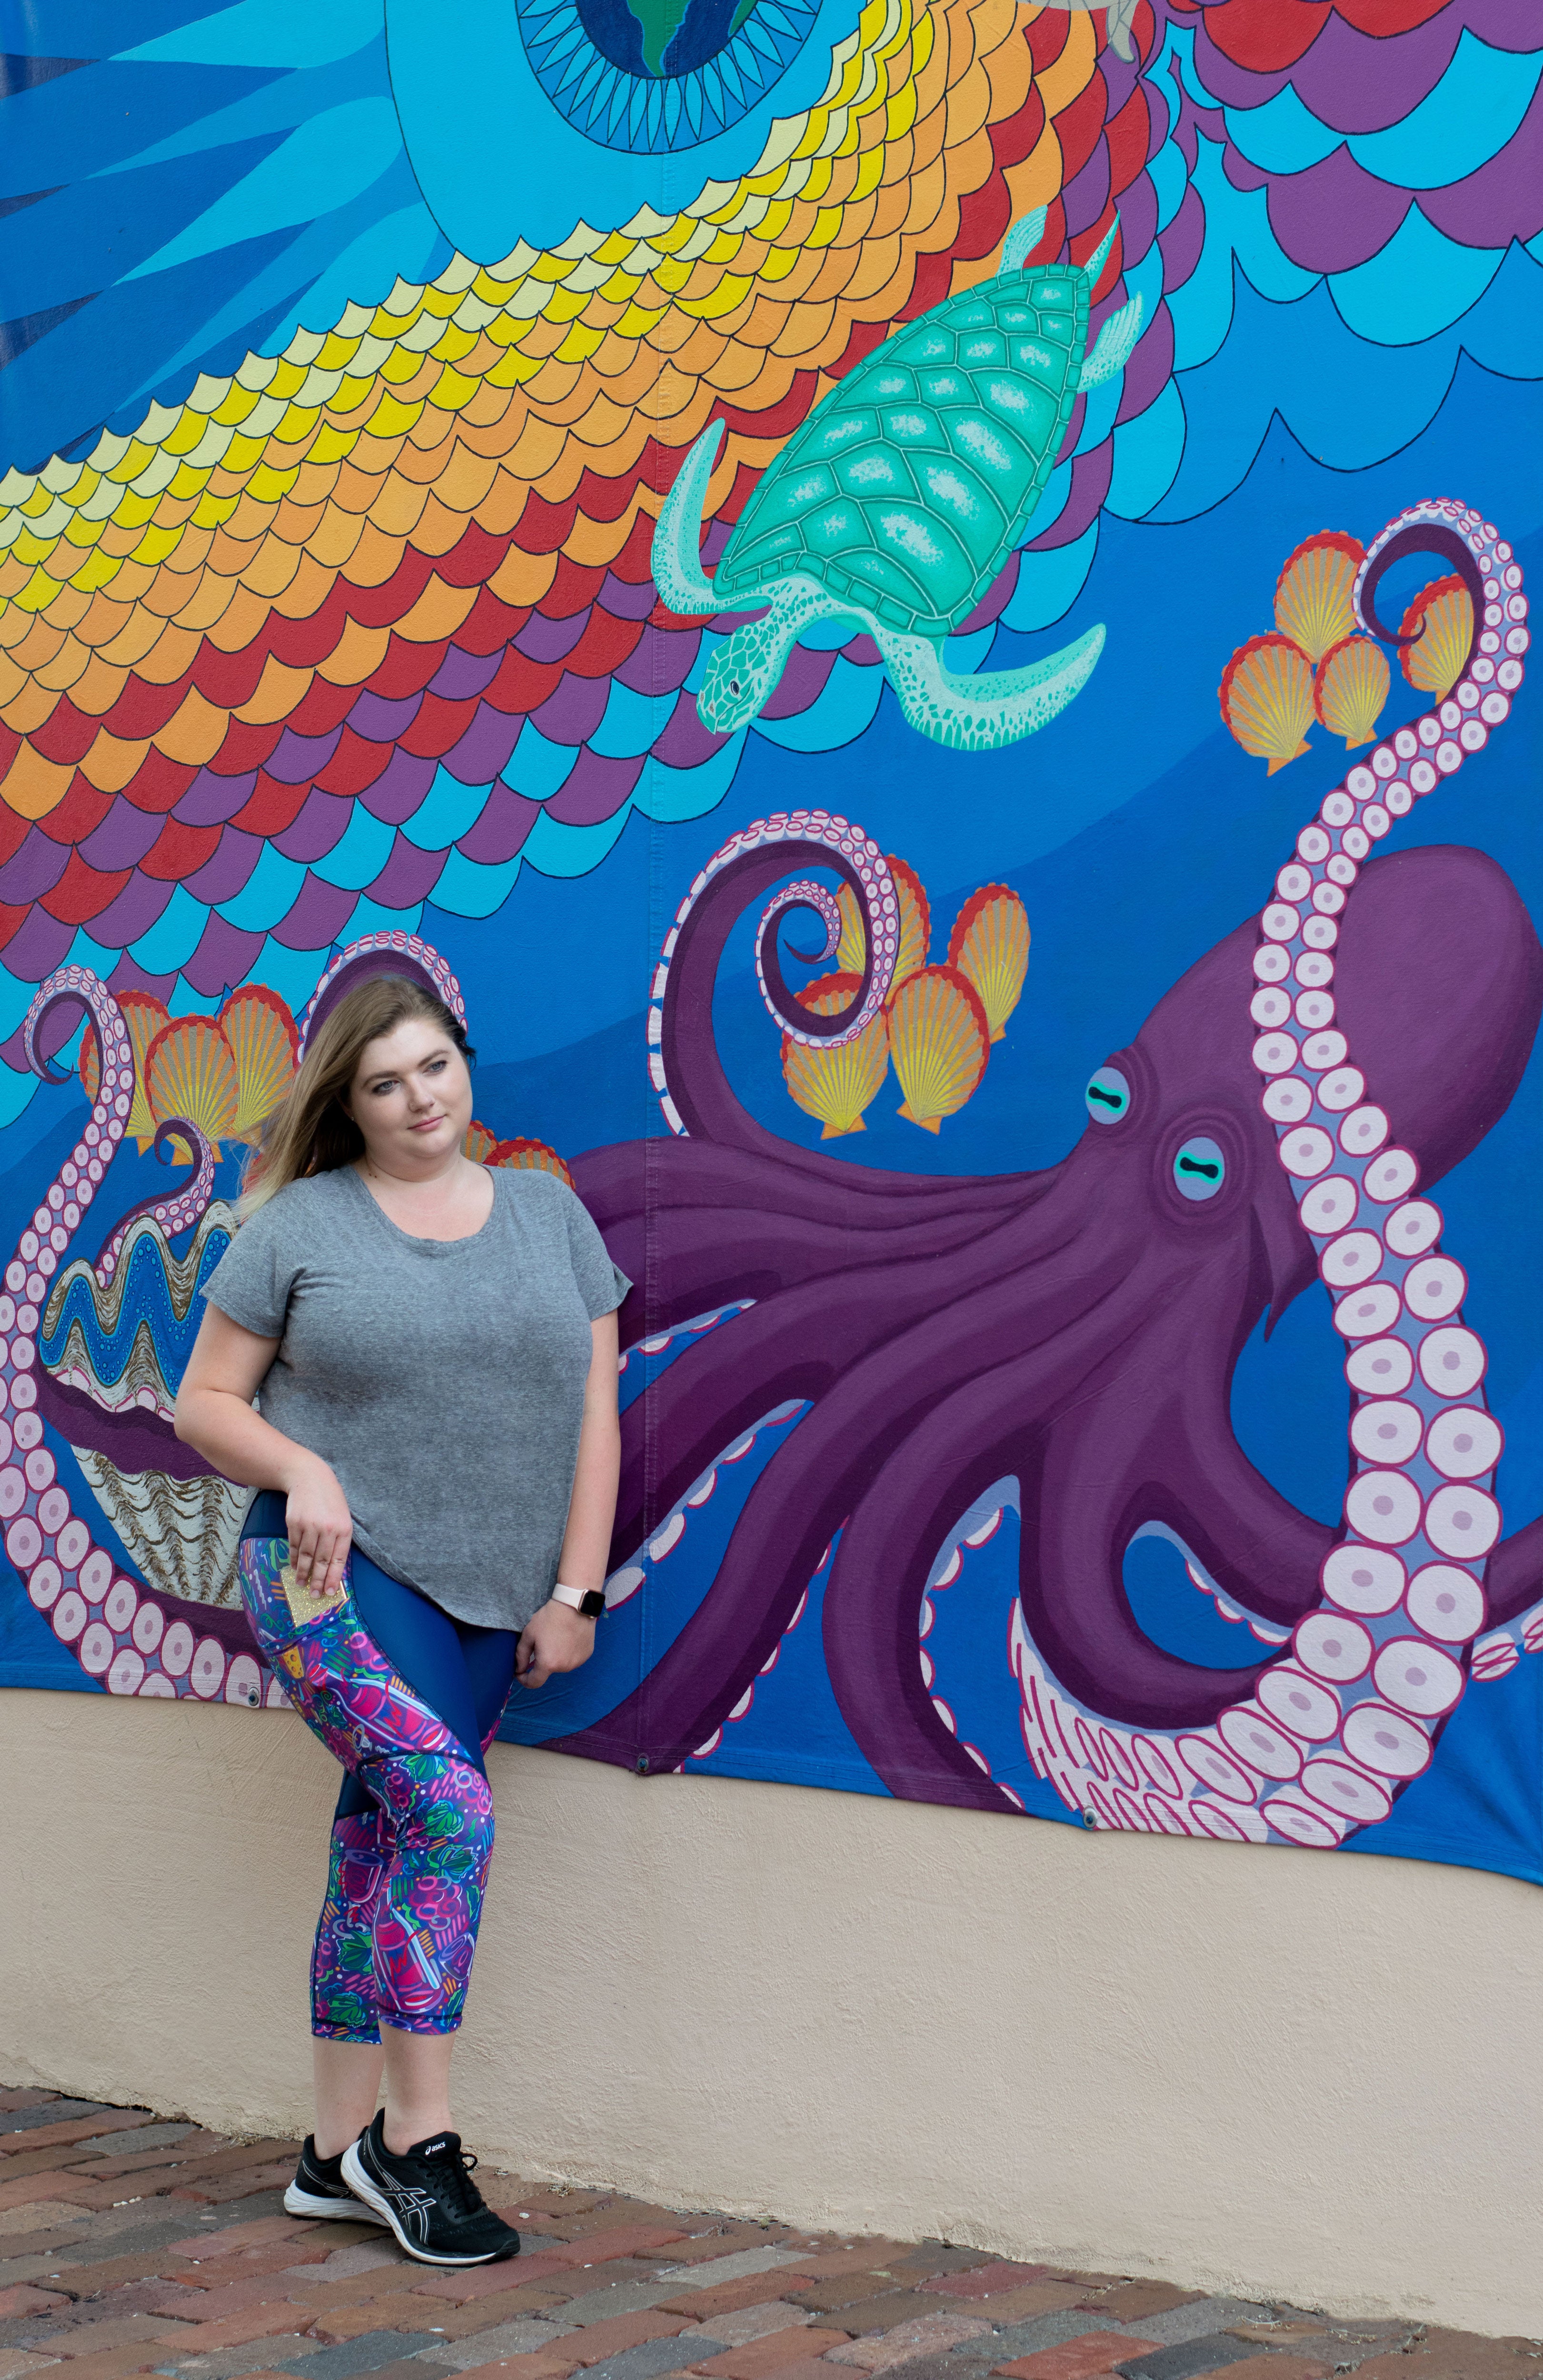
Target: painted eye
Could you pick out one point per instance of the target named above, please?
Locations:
(1108, 1095)
(1200, 1168)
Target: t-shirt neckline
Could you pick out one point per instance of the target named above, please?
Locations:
(415, 1240)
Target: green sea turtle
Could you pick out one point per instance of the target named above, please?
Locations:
(901, 498)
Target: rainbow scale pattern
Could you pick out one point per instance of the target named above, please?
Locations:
(370, 621)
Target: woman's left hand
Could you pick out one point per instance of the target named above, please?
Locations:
(558, 1638)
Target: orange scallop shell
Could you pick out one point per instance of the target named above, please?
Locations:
(266, 1049)
(1351, 687)
(916, 925)
(835, 1082)
(940, 1040)
(989, 944)
(532, 1155)
(1440, 619)
(190, 1070)
(1267, 699)
(1313, 604)
(144, 1015)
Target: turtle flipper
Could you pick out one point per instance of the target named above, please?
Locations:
(1116, 341)
(676, 560)
(1022, 240)
(981, 714)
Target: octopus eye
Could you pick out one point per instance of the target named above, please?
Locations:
(1108, 1096)
(1200, 1168)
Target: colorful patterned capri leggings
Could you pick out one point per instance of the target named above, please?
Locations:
(408, 1699)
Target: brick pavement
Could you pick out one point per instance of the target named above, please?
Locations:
(133, 2242)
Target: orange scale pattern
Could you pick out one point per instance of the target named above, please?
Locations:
(242, 651)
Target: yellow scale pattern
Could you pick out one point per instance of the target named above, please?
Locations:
(460, 399)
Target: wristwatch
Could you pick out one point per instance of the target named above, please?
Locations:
(590, 1601)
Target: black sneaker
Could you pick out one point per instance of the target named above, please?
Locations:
(319, 2191)
(428, 2198)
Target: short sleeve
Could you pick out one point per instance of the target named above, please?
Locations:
(253, 1280)
(601, 1284)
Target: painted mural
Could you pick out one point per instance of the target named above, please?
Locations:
(918, 612)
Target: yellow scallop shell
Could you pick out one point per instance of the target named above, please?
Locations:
(939, 1042)
(1351, 687)
(835, 1082)
(266, 1048)
(916, 925)
(480, 1143)
(532, 1156)
(144, 1015)
(989, 944)
(1313, 604)
(1267, 699)
(190, 1070)
(1441, 618)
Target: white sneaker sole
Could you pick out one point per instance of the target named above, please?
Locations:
(327, 2210)
(359, 2181)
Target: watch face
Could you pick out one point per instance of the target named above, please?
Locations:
(592, 1604)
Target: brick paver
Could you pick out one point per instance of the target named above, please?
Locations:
(1077, 2359)
(763, 2356)
(1275, 2367)
(1133, 2300)
(133, 2242)
(984, 2280)
(931, 2334)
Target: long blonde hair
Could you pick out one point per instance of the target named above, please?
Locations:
(311, 1131)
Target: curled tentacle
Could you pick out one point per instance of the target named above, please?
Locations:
(1339, 1724)
(683, 1063)
(1425, 528)
(123, 1632)
(177, 1210)
(384, 954)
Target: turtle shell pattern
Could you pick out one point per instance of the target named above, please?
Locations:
(910, 484)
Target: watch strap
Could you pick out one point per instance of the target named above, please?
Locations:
(588, 1600)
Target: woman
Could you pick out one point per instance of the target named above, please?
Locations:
(432, 1346)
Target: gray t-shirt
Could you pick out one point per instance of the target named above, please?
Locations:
(443, 1379)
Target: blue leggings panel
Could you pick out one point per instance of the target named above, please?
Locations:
(463, 1672)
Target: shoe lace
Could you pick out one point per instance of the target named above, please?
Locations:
(453, 2171)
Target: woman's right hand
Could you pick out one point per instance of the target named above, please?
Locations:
(320, 1525)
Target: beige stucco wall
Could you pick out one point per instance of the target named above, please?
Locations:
(1290, 2074)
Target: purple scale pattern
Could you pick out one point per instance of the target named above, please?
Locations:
(122, 838)
(502, 828)
(227, 868)
(661, 660)
(322, 822)
(400, 790)
(225, 957)
(380, 721)
(32, 869)
(317, 916)
(627, 599)
(295, 759)
(546, 640)
(573, 711)
(484, 748)
(410, 875)
(210, 799)
(461, 675)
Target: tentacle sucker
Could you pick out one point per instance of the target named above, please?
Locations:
(1349, 1715)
